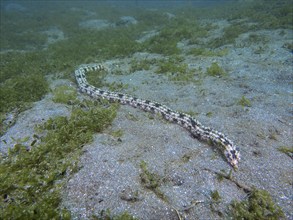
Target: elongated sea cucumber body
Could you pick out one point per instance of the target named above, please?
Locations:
(196, 129)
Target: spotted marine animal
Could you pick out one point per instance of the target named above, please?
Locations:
(196, 129)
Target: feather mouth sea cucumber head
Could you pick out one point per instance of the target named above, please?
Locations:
(233, 157)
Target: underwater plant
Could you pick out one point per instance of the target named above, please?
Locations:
(106, 215)
(137, 65)
(215, 195)
(229, 36)
(176, 70)
(65, 94)
(286, 150)
(244, 102)
(259, 205)
(19, 92)
(32, 177)
(174, 31)
(215, 70)
(208, 53)
(151, 180)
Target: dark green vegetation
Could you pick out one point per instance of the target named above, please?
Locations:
(151, 180)
(22, 82)
(215, 195)
(257, 39)
(177, 71)
(86, 47)
(176, 30)
(65, 95)
(83, 46)
(207, 52)
(22, 76)
(288, 46)
(97, 79)
(117, 133)
(229, 36)
(224, 175)
(215, 70)
(259, 205)
(286, 150)
(27, 32)
(21, 90)
(266, 14)
(106, 215)
(137, 65)
(244, 102)
(31, 178)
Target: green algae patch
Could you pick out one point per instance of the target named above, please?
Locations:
(286, 150)
(98, 79)
(32, 178)
(176, 70)
(230, 35)
(244, 102)
(215, 195)
(22, 79)
(65, 95)
(79, 48)
(19, 92)
(151, 180)
(106, 215)
(14, 64)
(137, 65)
(169, 66)
(22, 82)
(207, 52)
(174, 31)
(288, 46)
(117, 133)
(259, 205)
(216, 70)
